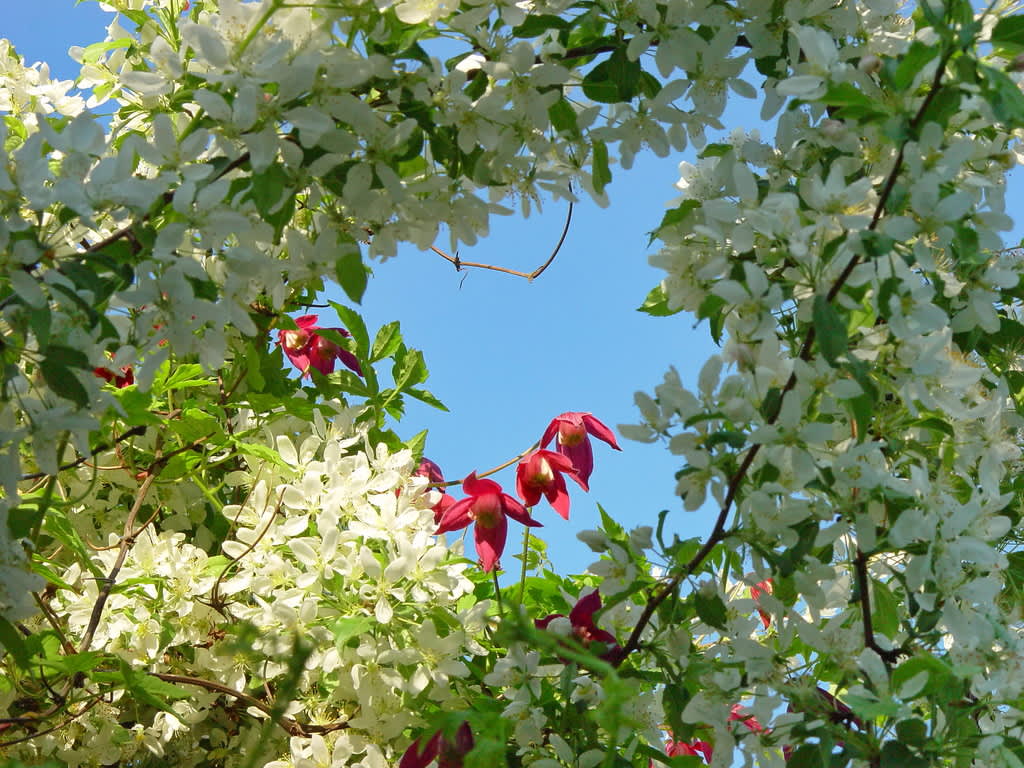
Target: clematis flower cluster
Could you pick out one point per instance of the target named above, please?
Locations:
(539, 473)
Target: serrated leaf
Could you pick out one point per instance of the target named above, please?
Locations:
(354, 324)
(563, 118)
(352, 274)
(656, 303)
(710, 609)
(829, 328)
(426, 397)
(259, 451)
(1008, 33)
(387, 341)
(63, 382)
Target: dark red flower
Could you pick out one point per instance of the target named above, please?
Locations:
(125, 379)
(541, 473)
(307, 349)
(762, 588)
(432, 472)
(488, 507)
(449, 754)
(581, 617)
(572, 428)
(695, 747)
(748, 720)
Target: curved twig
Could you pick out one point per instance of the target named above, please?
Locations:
(530, 276)
(292, 726)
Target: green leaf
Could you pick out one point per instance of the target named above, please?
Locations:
(898, 755)
(848, 102)
(143, 687)
(1003, 94)
(710, 609)
(830, 329)
(57, 525)
(537, 24)
(11, 639)
(613, 80)
(912, 62)
(656, 303)
(678, 214)
(426, 397)
(63, 382)
(913, 731)
(1008, 33)
(185, 376)
(354, 324)
(711, 309)
(885, 613)
(600, 171)
(409, 369)
(352, 274)
(72, 665)
(259, 451)
(387, 341)
(563, 118)
(347, 627)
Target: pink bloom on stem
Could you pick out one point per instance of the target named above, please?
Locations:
(307, 349)
(695, 747)
(449, 754)
(748, 720)
(489, 508)
(125, 379)
(572, 428)
(432, 472)
(541, 473)
(762, 588)
(581, 617)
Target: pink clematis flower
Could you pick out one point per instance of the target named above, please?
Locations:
(307, 349)
(432, 472)
(761, 588)
(488, 507)
(449, 754)
(541, 473)
(581, 617)
(748, 720)
(124, 379)
(572, 429)
(695, 747)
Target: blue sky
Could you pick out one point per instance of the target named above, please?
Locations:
(505, 355)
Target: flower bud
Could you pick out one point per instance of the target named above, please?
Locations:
(869, 64)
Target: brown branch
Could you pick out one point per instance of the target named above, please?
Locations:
(718, 533)
(530, 276)
(133, 432)
(8, 721)
(292, 726)
(108, 582)
(860, 566)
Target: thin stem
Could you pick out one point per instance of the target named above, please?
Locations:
(530, 276)
(526, 553)
(274, 6)
(493, 470)
(497, 593)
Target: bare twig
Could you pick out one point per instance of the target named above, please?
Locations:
(292, 726)
(530, 276)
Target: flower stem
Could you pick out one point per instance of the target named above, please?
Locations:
(274, 6)
(497, 593)
(526, 552)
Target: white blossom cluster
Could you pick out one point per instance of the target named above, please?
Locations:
(331, 554)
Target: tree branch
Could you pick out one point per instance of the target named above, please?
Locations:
(530, 276)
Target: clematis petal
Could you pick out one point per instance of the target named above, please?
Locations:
(558, 497)
(307, 322)
(582, 458)
(517, 511)
(599, 430)
(582, 614)
(350, 361)
(476, 486)
(490, 542)
(456, 516)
